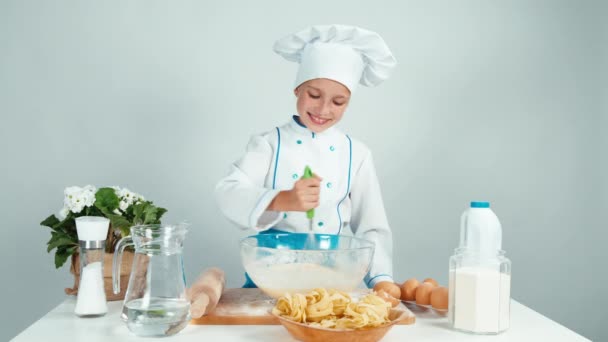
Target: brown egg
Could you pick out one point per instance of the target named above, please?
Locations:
(390, 288)
(408, 289)
(423, 293)
(439, 298)
(431, 280)
(388, 298)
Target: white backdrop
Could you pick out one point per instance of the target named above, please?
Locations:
(497, 101)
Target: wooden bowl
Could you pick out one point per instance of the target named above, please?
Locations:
(307, 333)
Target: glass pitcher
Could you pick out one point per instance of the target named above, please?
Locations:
(155, 301)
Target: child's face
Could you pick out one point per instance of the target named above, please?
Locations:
(321, 103)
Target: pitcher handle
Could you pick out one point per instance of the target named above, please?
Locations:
(116, 261)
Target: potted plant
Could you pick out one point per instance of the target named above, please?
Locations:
(122, 207)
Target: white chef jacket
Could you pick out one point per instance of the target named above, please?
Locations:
(350, 201)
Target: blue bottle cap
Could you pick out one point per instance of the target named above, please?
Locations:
(480, 204)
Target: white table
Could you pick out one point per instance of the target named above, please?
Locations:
(60, 324)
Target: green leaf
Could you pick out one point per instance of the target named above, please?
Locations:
(60, 240)
(138, 212)
(106, 200)
(67, 224)
(50, 221)
(124, 231)
(62, 255)
(105, 212)
(150, 215)
(93, 211)
(159, 213)
(119, 222)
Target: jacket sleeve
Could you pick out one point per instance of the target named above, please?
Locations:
(241, 195)
(369, 222)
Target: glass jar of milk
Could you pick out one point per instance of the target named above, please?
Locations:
(480, 275)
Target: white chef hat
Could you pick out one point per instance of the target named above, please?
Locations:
(346, 54)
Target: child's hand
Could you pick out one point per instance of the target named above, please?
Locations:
(303, 196)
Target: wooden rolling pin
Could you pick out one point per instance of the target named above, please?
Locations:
(206, 291)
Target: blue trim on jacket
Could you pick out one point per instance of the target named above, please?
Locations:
(350, 162)
(296, 118)
(276, 160)
(379, 275)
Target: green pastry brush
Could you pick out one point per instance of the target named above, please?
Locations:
(310, 214)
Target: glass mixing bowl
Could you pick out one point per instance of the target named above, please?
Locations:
(300, 262)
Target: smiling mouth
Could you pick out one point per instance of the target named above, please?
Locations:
(317, 120)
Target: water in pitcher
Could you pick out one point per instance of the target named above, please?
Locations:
(156, 316)
(155, 301)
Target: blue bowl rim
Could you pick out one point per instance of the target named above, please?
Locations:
(370, 244)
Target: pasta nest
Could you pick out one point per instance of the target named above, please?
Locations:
(333, 309)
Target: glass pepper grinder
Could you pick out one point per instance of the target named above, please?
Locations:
(92, 232)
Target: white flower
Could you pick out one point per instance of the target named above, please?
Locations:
(117, 212)
(77, 206)
(90, 188)
(76, 198)
(63, 213)
(122, 192)
(70, 194)
(123, 205)
(88, 195)
(125, 195)
(72, 200)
